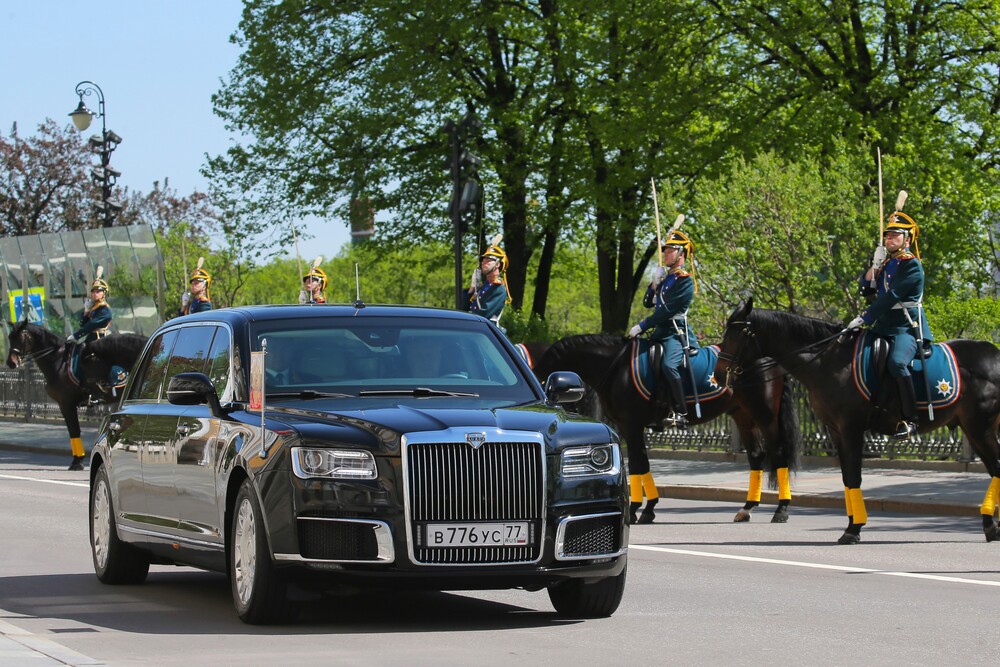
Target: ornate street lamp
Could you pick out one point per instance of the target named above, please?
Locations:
(103, 145)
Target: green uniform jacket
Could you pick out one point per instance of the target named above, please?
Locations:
(667, 319)
(900, 280)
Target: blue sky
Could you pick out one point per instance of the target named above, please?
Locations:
(158, 63)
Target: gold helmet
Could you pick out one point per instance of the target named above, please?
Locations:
(316, 272)
(101, 284)
(497, 252)
(902, 222)
(679, 239)
(201, 274)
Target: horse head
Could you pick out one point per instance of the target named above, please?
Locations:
(734, 346)
(26, 340)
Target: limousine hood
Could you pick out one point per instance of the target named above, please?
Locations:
(383, 428)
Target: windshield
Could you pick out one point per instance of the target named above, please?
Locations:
(419, 360)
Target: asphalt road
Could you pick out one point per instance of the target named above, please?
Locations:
(920, 590)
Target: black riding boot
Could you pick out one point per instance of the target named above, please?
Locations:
(676, 391)
(907, 408)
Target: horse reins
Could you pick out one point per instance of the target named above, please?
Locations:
(737, 369)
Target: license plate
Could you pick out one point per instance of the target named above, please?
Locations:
(477, 534)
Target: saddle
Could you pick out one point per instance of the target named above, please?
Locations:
(111, 385)
(868, 370)
(646, 370)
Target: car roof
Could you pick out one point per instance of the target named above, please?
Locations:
(265, 313)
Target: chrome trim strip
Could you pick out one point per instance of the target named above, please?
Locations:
(383, 539)
(171, 538)
(457, 436)
(561, 538)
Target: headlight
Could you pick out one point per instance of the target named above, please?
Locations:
(590, 460)
(309, 463)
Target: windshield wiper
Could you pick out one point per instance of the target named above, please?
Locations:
(307, 394)
(416, 391)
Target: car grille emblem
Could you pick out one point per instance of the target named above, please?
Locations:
(475, 439)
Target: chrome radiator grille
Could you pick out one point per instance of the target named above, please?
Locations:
(495, 482)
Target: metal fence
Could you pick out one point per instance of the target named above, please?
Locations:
(720, 435)
(22, 395)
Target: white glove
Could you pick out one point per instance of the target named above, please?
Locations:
(303, 296)
(635, 331)
(659, 275)
(71, 338)
(477, 279)
(878, 259)
(185, 299)
(87, 303)
(856, 323)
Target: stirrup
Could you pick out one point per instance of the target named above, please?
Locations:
(905, 430)
(677, 420)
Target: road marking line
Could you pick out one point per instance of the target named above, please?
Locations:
(45, 481)
(816, 566)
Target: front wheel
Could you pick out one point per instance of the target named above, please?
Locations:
(259, 594)
(115, 562)
(578, 599)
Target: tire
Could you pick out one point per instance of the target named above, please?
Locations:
(259, 594)
(115, 562)
(577, 599)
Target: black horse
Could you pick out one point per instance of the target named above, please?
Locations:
(811, 351)
(52, 356)
(761, 407)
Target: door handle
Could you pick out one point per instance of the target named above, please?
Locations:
(183, 430)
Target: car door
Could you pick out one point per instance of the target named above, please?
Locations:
(198, 509)
(127, 430)
(164, 434)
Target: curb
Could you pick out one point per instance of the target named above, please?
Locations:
(823, 461)
(885, 505)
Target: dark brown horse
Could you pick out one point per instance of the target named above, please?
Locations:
(52, 356)
(812, 353)
(761, 407)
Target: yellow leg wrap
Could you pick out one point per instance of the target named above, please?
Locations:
(990, 501)
(649, 487)
(76, 444)
(858, 505)
(635, 488)
(784, 488)
(847, 501)
(756, 483)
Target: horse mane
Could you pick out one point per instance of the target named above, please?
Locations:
(118, 346)
(44, 336)
(797, 326)
(563, 346)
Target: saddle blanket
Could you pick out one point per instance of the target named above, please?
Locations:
(703, 365)
(942, 368)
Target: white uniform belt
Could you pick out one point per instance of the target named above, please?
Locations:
(907, 304)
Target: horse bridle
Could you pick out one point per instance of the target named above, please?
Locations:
(29, 356)
(748, 334)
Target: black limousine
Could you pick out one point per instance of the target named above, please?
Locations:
(315, 446)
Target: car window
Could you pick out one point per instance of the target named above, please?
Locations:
(150, 378)
(350, 357)
(190, 352)
(218, 362)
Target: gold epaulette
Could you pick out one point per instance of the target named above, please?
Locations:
(681, 273)
(905, 254)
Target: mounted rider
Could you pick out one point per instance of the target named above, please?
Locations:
(314, 284)
(197, 299)
(896, 311)
(488, 288)
(670, 294)
(95, 322)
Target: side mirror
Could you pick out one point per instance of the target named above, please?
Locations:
(564, 387)
(193, 389)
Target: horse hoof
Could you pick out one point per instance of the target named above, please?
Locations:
(76, 464)
(849, 538)
(742, 516)
(780, 516)
(646, 517)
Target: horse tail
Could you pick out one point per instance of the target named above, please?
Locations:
(789, 434)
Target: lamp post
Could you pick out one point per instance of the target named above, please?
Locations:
(466, 193)
(103, 145)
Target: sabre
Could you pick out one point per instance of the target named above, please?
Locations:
(656, 214)
(881, 210)
(303, 297)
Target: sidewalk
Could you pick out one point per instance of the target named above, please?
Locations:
(920, 487)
